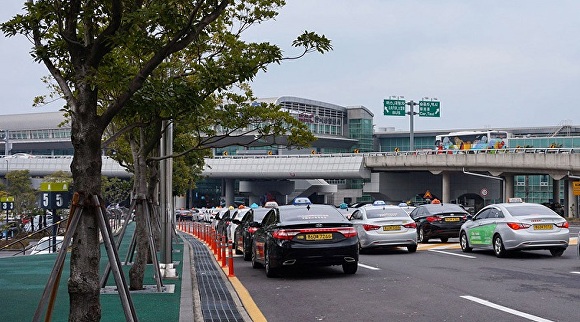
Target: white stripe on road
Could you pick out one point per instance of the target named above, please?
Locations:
(505, 309)
(449, 253)
(575, 272)
(369, 267)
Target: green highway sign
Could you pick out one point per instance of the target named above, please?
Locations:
(394, 107)
(430, 108)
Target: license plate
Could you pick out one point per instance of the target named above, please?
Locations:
(543, 227)
(391, 228)
(451, 218)
(318, 236)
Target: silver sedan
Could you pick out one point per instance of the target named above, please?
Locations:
(515, 225)
(379, 226)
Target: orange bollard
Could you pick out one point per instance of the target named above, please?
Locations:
(231, 262)
(219, 247)
(224, 246)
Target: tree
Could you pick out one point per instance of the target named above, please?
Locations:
(20, 187)
(116, 190)
(77, 41)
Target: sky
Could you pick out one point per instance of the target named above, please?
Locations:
(491, 64)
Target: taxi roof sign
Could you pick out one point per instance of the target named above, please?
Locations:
(515, 200)
(427, 195)
(379, 203)
(301, 201)
(271, 204)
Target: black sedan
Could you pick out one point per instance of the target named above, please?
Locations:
(440, 220)
(244, 233)
(306, 235)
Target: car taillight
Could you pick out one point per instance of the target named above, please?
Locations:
(285, 234)
(410, 225)
(517, 225)
(368, 227)
(348, 232)
(433, 218)
(252, 230)
(288, 234)
(564, 224)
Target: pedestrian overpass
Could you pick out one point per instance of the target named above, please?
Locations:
(257, 173)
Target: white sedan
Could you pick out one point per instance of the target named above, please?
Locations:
(515, 225)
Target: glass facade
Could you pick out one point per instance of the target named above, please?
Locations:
(319, 119)
(39, 134)
(362, 130)
(402, 143)
(546, 142)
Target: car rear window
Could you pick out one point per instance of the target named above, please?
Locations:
(260, 213)
(385, 213)
(446, 209)
(530, 211)
(322, 214)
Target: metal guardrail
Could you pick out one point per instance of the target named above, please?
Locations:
(397, 153)
(46, 231)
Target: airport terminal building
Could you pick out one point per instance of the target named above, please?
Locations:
(338, 129)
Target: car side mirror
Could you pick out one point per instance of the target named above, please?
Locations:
(469, 217)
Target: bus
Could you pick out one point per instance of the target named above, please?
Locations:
(473, 140)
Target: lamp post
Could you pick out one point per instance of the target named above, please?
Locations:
(6, 177)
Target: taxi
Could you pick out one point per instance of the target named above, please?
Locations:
(515, 225)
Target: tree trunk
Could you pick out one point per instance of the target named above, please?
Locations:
(83, 284)
(137, 271)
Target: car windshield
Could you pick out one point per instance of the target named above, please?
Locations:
(383, 213)
(322, 214)
(529, 210)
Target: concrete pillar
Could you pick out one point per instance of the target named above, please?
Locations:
(508, 187)
(571, 202)
(445, 187)
(229, 192)
(555, 191)
(254, 199)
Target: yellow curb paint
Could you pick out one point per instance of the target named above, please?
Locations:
(251, 307)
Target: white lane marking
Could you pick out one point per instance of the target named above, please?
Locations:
(369, 267)
(575, 272)
(505, 309)
(449, 253)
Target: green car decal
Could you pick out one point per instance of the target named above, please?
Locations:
(482, 235)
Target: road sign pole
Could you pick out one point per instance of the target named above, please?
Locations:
(411, 104)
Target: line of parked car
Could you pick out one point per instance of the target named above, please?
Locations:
(311, 234)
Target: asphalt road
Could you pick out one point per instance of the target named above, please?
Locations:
(437, 283)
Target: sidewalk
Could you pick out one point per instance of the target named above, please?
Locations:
(200, 289)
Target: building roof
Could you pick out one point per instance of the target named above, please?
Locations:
(278, 100)
(32, 121)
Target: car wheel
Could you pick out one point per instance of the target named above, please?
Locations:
(444, 239)
(270, 272)
(247, 253)
(464, 243)
(255, 264)
(422, 238)
(412, 249)
(361, 250)
(498, 247)
(557, 252)
(350, 268)
(238, 252)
